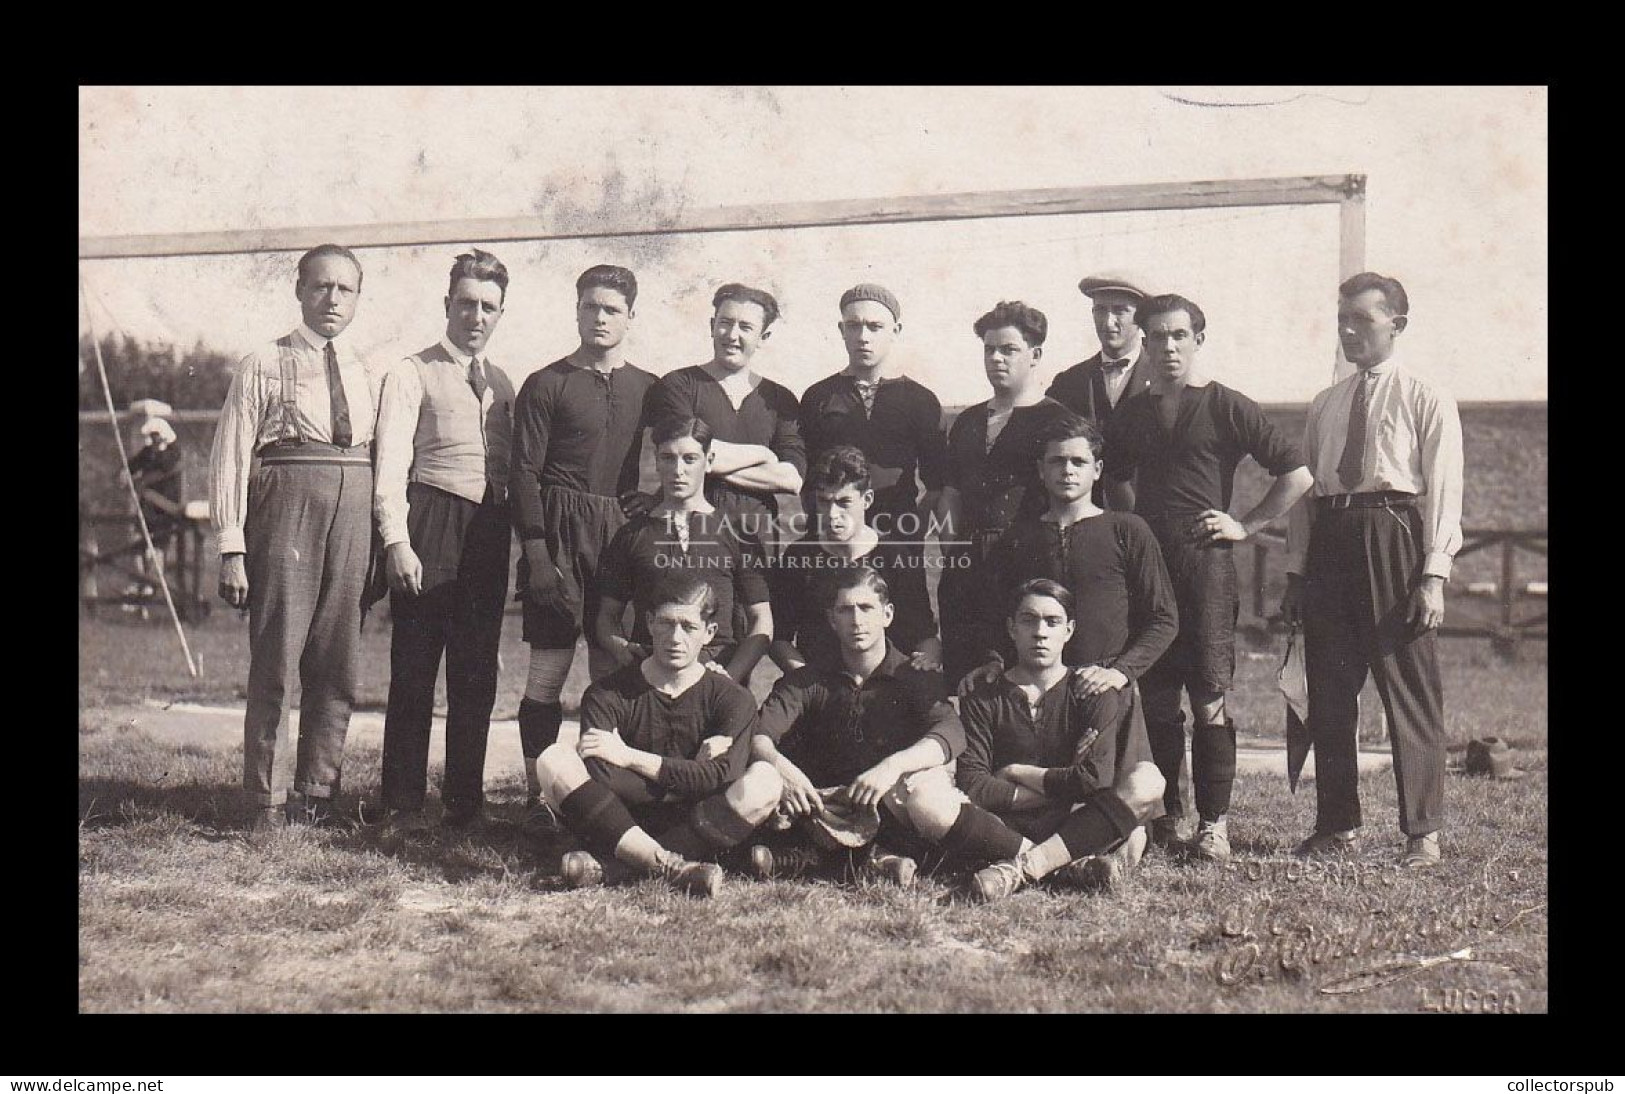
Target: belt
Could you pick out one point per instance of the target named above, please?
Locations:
(1376, 499)
(316, 452)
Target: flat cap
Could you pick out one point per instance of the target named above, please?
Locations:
(878, 293)
(1114, 281)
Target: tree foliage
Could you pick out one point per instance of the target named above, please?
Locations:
(195, 380)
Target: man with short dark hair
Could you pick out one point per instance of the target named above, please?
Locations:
(1046, 785)
(756, 448)
(873, 730)
(659, 778)
(892, 419)
(305, 406)
(992, 475)
(1184, 438)
(445, 426)
(1096, 386)
(1368, 554)
(578, 437)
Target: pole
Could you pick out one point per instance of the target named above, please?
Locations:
(124, 461)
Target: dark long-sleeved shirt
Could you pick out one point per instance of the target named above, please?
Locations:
(1193, 467)
(1126, 615)
(674, 727)
(577, 428)
(996, 485)
(767, 416)
(903, 431)
(1001, 728)
(835, 729)
(799, 616)
(647, 548)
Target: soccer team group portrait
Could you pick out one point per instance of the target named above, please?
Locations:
(989, 632)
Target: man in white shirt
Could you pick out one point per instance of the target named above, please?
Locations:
(1369, 550)
(1096, 386)
(445, 427)
(305, 407)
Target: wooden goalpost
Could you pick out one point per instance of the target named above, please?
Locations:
(1346, 191)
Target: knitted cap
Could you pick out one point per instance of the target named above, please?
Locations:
(878, 293)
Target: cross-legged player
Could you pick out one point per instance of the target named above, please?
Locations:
(874, 730)
(660, 778)
(1048, 781)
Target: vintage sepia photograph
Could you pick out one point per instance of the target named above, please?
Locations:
(813, 549)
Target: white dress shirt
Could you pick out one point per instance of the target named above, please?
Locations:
(252, 419)
(1412, 443)
(458, 446)
(1116, 380)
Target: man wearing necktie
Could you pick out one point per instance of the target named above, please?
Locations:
(1096, 387)
(1368, 553)
(445, 423)
(290, 497)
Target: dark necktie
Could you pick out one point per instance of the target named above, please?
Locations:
(1350, 468)
(476, 379)
(341, 405)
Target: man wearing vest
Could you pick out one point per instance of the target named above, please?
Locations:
(295, 537)
(445, 423)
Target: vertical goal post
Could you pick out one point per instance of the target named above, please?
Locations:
(1347, 191)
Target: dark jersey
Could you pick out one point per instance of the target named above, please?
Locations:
(767, 416)
(1125, 612)
(648, 547)
(576, 428)
(674, 727)
(1192, 468)
(835, 730)
(1001, 728)
(903, 432)
(996, 485)
(797, 580)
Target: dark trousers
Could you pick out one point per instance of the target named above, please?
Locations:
(1361, 567)
(459, 613)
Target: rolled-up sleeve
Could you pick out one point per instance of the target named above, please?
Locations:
(399, 400)
(232, 456)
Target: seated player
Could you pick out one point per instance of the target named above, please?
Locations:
(684, 532)
(876, 728)
(840, 537)
(647, 758)
(1045, 781)
(1126, 614)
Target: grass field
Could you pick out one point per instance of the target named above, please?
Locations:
(178, 912)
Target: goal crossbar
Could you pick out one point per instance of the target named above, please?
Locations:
(1346, 190)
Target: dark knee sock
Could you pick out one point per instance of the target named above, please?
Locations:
(1213, 768)
(712, 826)
(1167, 742)
(1101, 823)
(593, 811)
(979, 836)
(538, 726)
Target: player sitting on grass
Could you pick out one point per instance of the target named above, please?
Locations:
(840, 537)
(1047, 783)
(875, 730)
(663, 747)
(1125, 613)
